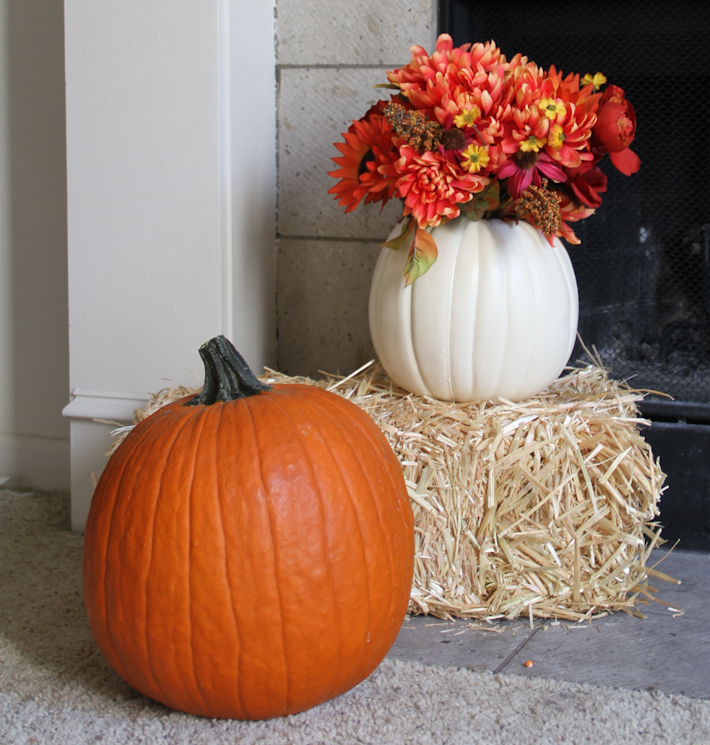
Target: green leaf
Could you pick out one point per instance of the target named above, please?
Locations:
(396, 243)
(387, 85)
(491, 195)
(422, 255)
(474, 209)
(485, 201)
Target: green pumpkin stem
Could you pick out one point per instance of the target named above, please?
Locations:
(227, 375)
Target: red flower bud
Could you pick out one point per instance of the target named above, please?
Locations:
(616, 121)
(616, 128)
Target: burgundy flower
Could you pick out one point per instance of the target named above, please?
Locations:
(587, 183)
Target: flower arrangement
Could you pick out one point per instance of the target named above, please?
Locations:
(470, 133)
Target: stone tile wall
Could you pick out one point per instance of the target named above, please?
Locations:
(330, 54)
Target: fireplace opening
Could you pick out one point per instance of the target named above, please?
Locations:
(643, 266)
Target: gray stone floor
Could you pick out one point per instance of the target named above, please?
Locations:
(668, 651)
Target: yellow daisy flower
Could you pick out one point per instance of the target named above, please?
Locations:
(556, 137)
(552, 108)
(533, 144)
(467, 117)
(598, 80)
(475, 157)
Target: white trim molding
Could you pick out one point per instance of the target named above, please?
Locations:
(115, 406)
(94, 415)
(225, 168)
(247, 58)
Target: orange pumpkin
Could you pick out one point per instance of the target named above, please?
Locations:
(249, 552)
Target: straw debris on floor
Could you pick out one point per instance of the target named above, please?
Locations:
(543, 508)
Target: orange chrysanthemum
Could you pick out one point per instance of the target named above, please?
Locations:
(453, 79)
(432, 186)
(467, 65)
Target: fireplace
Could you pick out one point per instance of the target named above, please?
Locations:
(643, 268)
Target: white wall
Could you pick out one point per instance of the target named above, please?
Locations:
(34, 446)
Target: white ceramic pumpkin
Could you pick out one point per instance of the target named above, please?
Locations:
(495, 316)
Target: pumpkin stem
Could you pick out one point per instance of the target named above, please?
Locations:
(227, 375)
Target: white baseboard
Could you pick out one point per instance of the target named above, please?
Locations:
(30, 462)
(91, 439)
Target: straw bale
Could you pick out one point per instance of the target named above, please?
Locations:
(543, 508)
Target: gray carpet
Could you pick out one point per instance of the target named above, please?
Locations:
(56, 688)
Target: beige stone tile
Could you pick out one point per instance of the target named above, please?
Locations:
(322, 295)
(365, 32)
(315, 106)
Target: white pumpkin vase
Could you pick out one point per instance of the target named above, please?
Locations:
(495, 316)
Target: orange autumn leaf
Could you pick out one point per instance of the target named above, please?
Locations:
(422, 255)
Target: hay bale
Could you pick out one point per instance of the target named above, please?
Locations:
(543, 508)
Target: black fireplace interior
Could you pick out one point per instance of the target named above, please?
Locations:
(643, 268)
